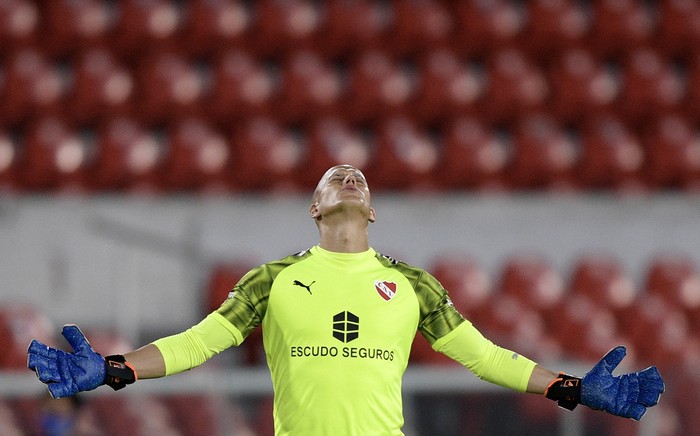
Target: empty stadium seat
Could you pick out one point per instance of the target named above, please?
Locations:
(516, 85)
(170, 86)
(619, 26)
(332, 141)
(20, 24)
(650, 86)
(450, 86)
(56, 157)
(533, 281)
(242, 86)
(544, 155)
(9, 163)
(379, 86)
(483, 26)
(215, 26)
(675, 278)
(474, 155)
(146, 26)
(310, 87)
(469, 285)
(673, 153)
(269, 156)
(32, 84)
(136, 415)
(582, 85)
(199, 158)
(283, 25)
(76, 25)
(19, 324)
(351, 26)
(419, 25)
(406, 156)
(105, 87)
(552, 26)
(130, 157)
(678, 32)
(692, 102)
(602, 278)
(612, 156)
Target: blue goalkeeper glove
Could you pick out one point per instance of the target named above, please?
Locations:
(66, 374)
(626, 395)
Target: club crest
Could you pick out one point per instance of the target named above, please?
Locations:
(386, 290)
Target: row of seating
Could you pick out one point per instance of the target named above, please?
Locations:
(134, 26)
(300, 85)
(194, 155)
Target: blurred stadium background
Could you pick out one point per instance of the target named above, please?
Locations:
(541, 158)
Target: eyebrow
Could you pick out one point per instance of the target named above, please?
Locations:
(357, 173)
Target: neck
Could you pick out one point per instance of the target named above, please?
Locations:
(348, 237)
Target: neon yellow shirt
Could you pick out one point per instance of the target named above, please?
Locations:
(337, 331)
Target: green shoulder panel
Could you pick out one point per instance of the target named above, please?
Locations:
(438, 315)
(247, 304)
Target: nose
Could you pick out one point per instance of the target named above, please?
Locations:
(350, 178)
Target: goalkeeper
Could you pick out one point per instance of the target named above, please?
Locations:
(338, 321)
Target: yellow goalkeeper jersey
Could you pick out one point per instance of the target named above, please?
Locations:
(337, 330)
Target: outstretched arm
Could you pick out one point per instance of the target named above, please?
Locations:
(147, 361)
(540, 379)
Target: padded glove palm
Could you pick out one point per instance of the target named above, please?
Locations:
(65, 373)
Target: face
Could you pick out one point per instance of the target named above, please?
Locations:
(341, 187)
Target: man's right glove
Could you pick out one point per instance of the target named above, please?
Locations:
(626, 395)
(66, 374)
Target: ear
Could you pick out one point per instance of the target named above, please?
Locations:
(313, 211)
(372, 215)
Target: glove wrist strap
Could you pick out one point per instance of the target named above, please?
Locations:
(565, 390)
(118, 372)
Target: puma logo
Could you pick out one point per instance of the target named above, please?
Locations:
(307, 287)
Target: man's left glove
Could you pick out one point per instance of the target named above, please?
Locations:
(626, 395)
(66, 374)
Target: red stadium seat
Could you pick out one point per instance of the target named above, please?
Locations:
(406, 158)
(284, 25)
(544, 155)
(352, 25)
(692, 101)
(170, 86)
(199, 158)
(135, 415)
(673, 153)
(582, 85)
(332, 141)
(269, 156)
(419, 25)
(76, 25)
(19, 324)
(470, 286)
(243, 86)
(483, 26)
(105, 88)
(311, 87)
(650, 86)
(129, 158)
(223, 277)
(9, 163)
(56, 157)
(215, 26)
(533, 281)
(213, 415)
(379, 86)
(9, 424)
(146, 26)
(619, 26)
(612, 156)
(33, 85)
(676, 279)
(678, 32)
(20, 24)
(450, 86)
(553, 26)
(474, 155)
(603, 279)
(516, 85)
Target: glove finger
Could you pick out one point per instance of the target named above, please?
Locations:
(59, 390)
(46, 370)
(613, 358)
(635, 411)
(651, 386)
(76, 339)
